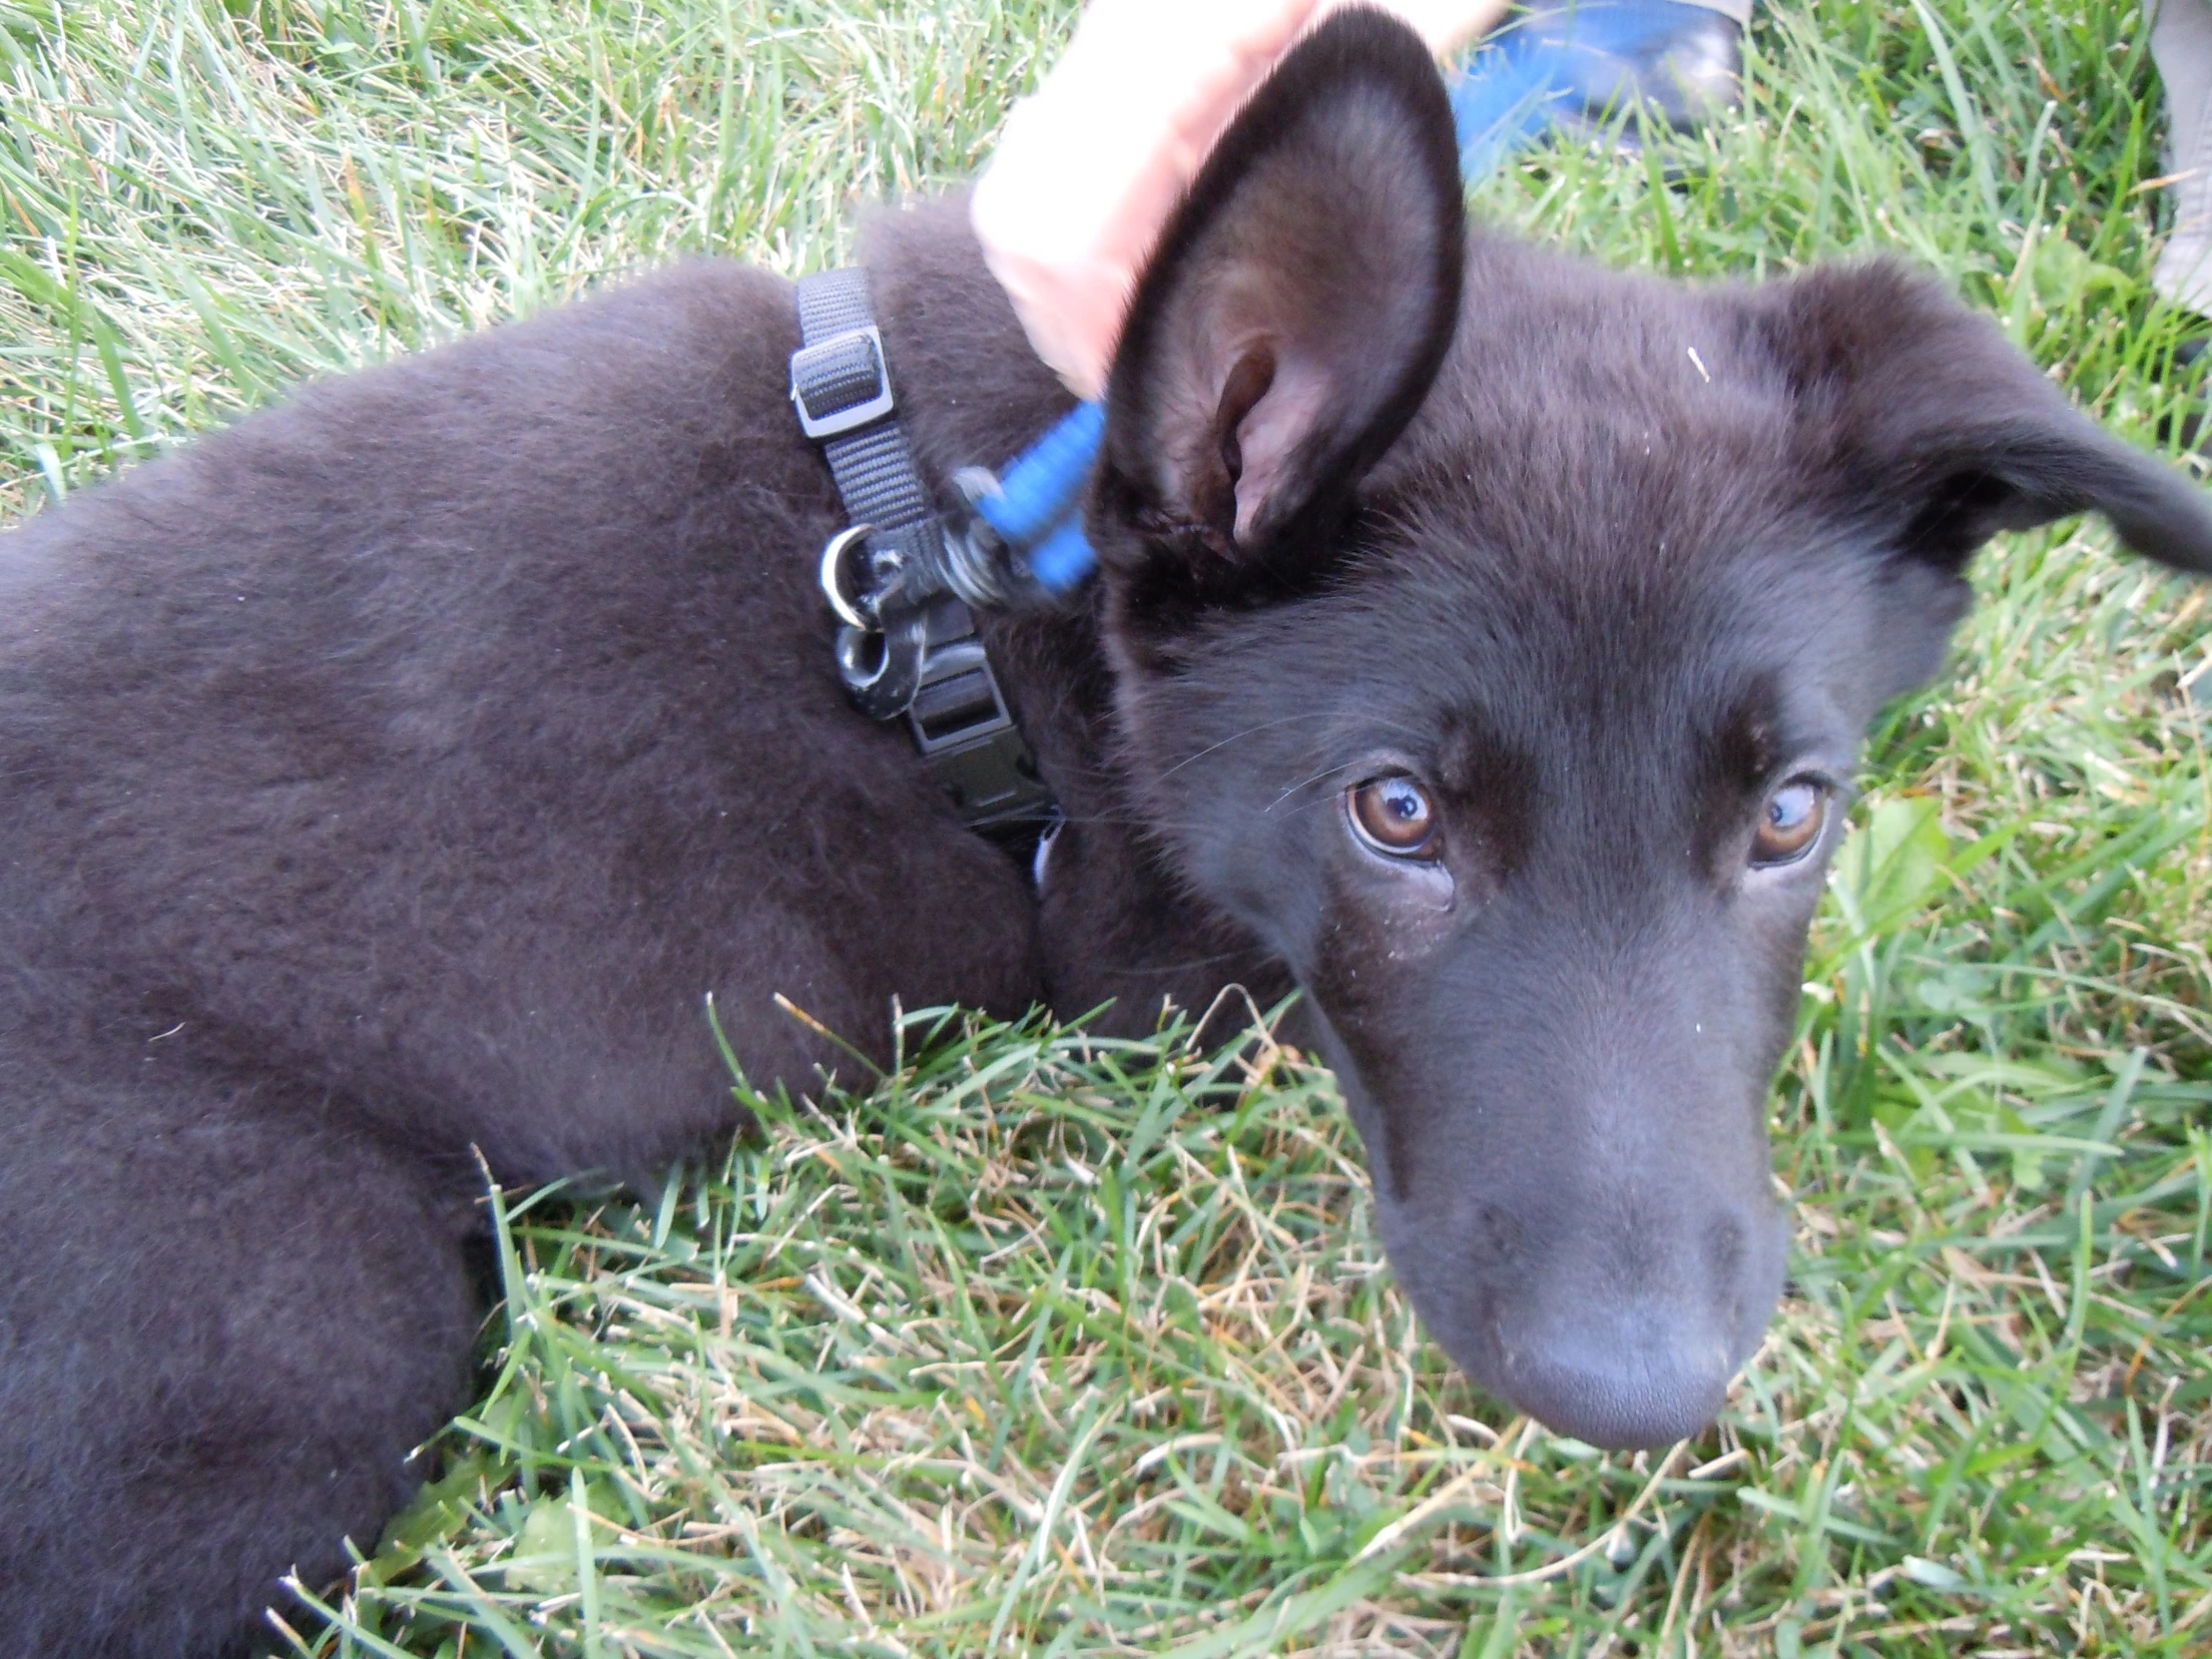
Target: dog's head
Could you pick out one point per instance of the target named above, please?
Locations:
(1493, 638)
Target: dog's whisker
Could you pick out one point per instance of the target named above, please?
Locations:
(1307, 783)
(1248, 732)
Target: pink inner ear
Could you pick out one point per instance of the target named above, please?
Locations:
(1267, 437)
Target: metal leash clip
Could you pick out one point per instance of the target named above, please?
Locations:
(879, 656)
(883, 586)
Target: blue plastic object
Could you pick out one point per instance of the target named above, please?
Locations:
(1034, 507)
(1064, 560)
(1582, 54)
(1039, 490)
(1569, 61)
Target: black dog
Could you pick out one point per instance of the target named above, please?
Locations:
(1480, 645)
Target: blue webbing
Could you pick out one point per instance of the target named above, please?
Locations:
(1500, 101)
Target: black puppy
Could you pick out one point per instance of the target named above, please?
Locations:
(1480, 645)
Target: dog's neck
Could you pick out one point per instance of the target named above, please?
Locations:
(1114, 920)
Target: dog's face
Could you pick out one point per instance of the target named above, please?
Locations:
(1520, 725)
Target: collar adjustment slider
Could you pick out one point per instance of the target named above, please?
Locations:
(840, 383)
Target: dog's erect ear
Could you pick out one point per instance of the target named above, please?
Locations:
(1932, 421)
(1299, 303)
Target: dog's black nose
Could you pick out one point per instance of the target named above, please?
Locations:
(1643, 1375)
(1634, 1344)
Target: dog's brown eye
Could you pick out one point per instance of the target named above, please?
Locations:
(1791, 823)
(1392, 815)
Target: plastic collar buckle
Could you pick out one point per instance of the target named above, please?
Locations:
(841, 383)
(968, 738)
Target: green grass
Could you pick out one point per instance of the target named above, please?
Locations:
(1054, 1346)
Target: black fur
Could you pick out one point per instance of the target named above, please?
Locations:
(392, 775)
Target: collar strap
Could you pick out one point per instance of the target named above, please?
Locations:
(907, 647)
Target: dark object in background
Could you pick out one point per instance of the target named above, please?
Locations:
(1481, 642)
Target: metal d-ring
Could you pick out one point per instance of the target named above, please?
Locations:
(832, 575)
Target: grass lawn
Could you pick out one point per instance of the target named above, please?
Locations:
(1047, 1346)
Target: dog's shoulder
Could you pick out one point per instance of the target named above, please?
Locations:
(558, 404)
(516, 472)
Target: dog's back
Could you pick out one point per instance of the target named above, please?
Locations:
(388, 781)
